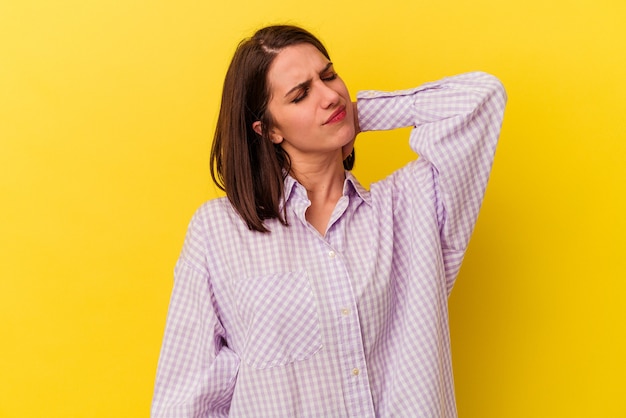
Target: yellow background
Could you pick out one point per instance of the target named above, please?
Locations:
(107, 110)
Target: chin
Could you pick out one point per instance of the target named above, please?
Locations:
(348, 134)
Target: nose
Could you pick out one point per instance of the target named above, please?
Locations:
(329, 96)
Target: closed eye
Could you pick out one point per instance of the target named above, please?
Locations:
(329, 77)
(302, 95)
(326, 75)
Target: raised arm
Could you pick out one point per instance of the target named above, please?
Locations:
(457, 123)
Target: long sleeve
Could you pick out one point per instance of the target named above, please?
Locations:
(337, 327)
(196, 371)
(456, 127)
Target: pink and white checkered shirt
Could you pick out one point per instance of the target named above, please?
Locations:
(354, 323)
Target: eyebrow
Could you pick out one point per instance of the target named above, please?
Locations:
(307, 83)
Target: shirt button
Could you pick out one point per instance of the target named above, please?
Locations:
(355, 371)
(345, 311)
(331, 254)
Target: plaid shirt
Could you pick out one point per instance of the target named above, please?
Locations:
(353, 323)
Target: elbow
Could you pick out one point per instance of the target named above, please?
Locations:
(494, 86)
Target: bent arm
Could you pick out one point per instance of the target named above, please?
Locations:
(456, 123)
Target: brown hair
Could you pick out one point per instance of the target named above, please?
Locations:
(248, 166)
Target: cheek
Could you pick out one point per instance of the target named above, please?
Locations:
(343, 89)
(291, 124)
(295, 122)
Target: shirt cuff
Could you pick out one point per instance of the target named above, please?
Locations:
(381, 110)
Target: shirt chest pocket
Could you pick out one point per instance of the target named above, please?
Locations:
(281, 319)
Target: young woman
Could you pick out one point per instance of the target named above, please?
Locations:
(302, 293)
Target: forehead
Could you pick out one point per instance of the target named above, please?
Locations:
(296, 64)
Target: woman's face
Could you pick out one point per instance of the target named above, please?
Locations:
(310, 105)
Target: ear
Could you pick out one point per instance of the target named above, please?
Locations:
(274, 137)
(258, 127)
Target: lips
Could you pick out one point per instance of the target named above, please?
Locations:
(338, 115)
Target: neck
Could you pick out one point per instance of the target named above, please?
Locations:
(323, 180)
(324, 185)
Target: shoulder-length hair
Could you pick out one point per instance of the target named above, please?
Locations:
(248, 166)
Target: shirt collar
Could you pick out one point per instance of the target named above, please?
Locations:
(351, 185)
(290, 184)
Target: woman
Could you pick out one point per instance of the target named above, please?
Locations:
(302, 293)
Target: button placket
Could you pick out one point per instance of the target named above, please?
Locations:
(352, 359)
